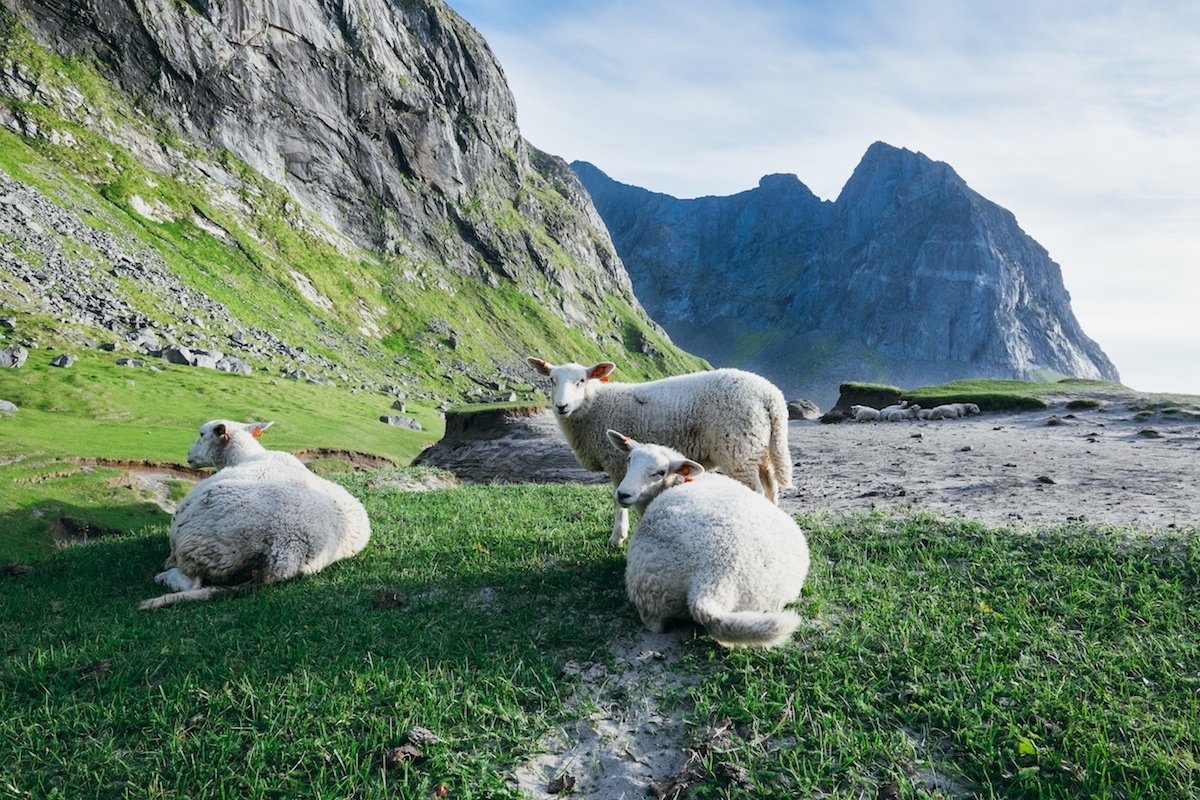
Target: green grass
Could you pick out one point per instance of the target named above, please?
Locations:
(1057, 665)
(1077, 393)
(989, 395)
(298, 690)
(97, 409)
(1054, 665)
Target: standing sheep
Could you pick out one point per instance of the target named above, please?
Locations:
(709, 548)
(727, 419)
(262, 518)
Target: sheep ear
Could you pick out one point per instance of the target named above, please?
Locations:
(221, 432)
(601, 371)
(620, 440)
(540, 365)
(256, 428)
(687, 468)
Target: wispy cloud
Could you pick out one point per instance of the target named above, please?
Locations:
(1083, 118)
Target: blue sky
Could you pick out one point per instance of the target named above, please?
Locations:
(1082, 118)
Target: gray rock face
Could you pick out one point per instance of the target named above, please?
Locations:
(391, 121)
(909, 277)
(506, 445)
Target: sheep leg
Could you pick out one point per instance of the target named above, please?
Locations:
(176, 580)
(620, 531)
(766, 477)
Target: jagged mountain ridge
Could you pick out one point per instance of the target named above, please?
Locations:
(908, 277)
(380, 137)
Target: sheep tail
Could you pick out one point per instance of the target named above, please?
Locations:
(203, 593)
(781, 456)
(742, 628)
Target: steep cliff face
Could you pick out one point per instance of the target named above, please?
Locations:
(387, 124)
(908, 277)
(383, 117)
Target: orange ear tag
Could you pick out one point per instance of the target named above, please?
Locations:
(256, 432)
(686, 472)
(604, 379)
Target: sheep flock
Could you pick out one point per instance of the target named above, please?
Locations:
(700, 458)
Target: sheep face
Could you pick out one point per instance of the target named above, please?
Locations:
(652, 469)
(572, 385)
(218, 437)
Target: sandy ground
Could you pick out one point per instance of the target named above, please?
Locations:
(1101, 466)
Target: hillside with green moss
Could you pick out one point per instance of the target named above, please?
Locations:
(144, 218)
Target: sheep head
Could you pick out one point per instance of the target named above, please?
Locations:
(571, 385)
(223, 442)
(652, 469)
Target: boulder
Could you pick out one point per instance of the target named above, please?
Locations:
(13, 356)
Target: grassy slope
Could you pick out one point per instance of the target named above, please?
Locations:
(97, 409)
(268, 236)
(941, 653)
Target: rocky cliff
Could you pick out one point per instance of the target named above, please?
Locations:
(909, 277)
(358, 161)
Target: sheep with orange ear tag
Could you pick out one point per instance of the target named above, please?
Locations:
(708, 548)
(725, 419)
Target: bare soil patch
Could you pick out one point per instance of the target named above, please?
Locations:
(1043, 468)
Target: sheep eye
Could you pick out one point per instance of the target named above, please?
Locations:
(580, 382)
(660, 473)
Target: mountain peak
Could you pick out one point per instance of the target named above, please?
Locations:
(909, 277)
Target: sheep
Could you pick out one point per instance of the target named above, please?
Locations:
(708, 547)
(728, 419)
(947, 411)
(954, 410)
(263, 517)
(897, 414)
(864, 413)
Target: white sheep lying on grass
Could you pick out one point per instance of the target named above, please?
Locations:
(710, 548)
(727, 419)
(262, 518)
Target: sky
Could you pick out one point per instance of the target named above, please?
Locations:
(1081, 118)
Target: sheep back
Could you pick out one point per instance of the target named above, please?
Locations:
(726, 418)
(714, 544)
(263, 521)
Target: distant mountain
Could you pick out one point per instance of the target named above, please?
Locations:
(909, 277)
(315, 188)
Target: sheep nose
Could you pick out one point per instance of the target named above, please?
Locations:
(562, 408)
(624, 498)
